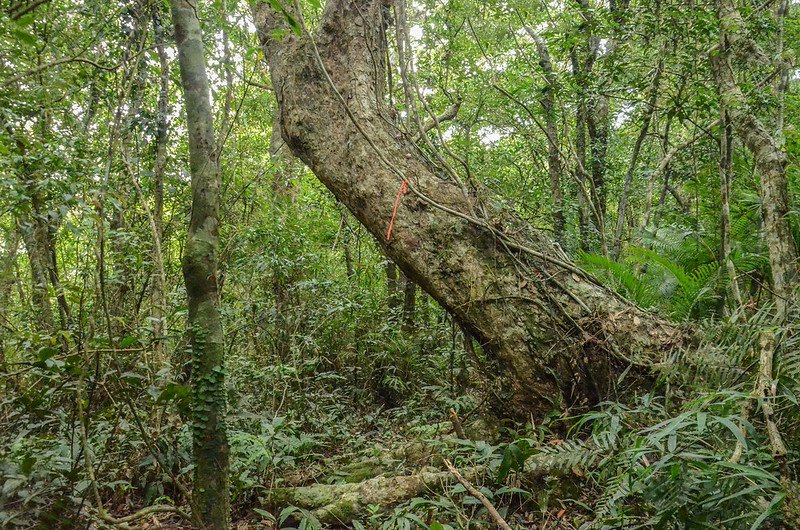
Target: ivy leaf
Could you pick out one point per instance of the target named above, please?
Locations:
(173, 391)
(277, 6)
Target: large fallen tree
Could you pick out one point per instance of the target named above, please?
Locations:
(558, 336)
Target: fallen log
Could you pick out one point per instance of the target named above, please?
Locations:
(339, 504)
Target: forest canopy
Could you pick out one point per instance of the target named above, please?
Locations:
(398, 264)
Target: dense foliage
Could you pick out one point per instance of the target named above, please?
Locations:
(339, 368)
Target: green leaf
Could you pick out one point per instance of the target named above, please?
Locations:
(24, 36)
(286, 513)
(513, 458)
(769, 510)
(737, 432)
(293, 23)
(701, 422)
(25, 20)
(277, 6)
(278, 34)
(173, 391)
(45, 353)
(128, 342)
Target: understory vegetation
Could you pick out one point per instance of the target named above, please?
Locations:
(350, 397)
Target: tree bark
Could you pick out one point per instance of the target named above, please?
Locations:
(159, 295)
(409, 305)
(584, 201)
(770, 159)
(781, 83)
(33, 235)
(597, 125)
(392, 288)
(637, 147)
(560, 338)
(34, 223)
(725, 177)
(553, 151)
(200, 263)
(7, 281)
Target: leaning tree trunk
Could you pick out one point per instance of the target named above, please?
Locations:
(557, 334)
(210, 442)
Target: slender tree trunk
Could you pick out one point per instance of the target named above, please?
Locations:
(346, 244)
(651, 185)
(7, 280)
(584, 214)
(32, 224)
(553, 151)
(556, 334)
(409, 306)
(770, 159)
(123, 306)
(200, 263)
(55, 281)
(598, 120)
(781, 83)
(725, 176)
(663, 166)
(159, 292)
(637, 147)
(592, 197)
(392, 288)
(38, 237)
(597, 125)
(33, 235)
(283, 199)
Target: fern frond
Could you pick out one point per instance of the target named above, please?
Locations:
(622, 275)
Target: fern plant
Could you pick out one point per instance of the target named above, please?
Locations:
(677, 471)
(654, 281)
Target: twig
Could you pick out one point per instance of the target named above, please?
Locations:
(457, 424)
(501, 523)
(449, 114)
(57, 62)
